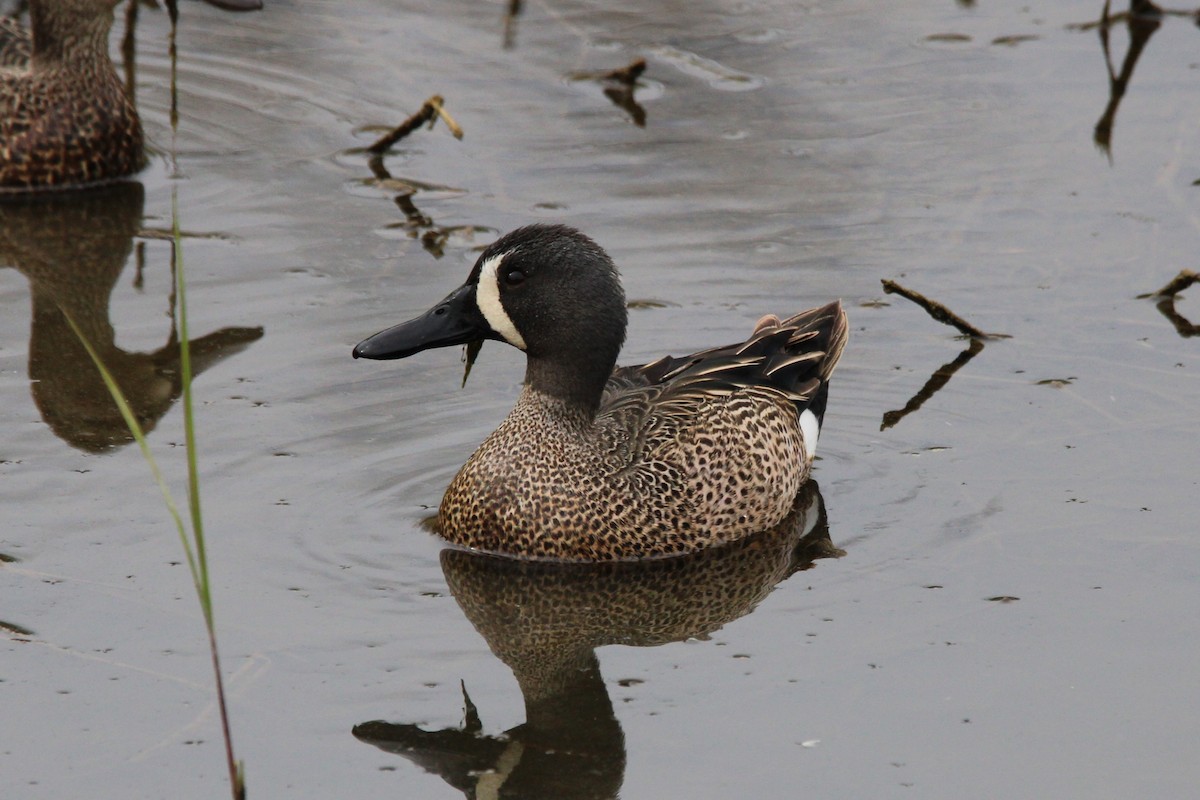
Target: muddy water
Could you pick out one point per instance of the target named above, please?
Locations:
(1015, 612)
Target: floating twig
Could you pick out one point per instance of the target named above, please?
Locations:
(430, 112)
(1138, 9)
(628, 74)
(939, 311)
(455, 130)
(622, 83)
(619, 86)
(1183, 280)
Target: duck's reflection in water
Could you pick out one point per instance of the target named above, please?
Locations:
(545, 621)
(73, 247)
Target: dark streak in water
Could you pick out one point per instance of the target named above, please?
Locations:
(940, 377)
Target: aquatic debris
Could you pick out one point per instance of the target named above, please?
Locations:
(1015, 39)
(939, 312)
(1142, 20)
(940, 377)
(628, 74)
(510, 23)
(1183, 280)
(16, 630)
(1166, 302)
(1138, 10)
(1056, 383)
(947, 37)
(430, 112)
(621, 94)
(418, 225)
(621, 83)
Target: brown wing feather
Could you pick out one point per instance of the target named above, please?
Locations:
(794, 357)
(785, 355)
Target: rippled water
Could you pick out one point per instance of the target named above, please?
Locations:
(791, 153)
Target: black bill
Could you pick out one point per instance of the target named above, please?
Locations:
(455, 320)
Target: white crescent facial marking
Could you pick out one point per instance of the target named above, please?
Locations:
(487, 296)
(811, 430)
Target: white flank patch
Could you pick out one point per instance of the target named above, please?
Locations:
(487, 296)
(811, 429)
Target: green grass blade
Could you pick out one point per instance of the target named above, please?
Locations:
(139, 435)
(189, 425)
(194, 549)
(237, 780)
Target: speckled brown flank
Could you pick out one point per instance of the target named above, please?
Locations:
(704, 457)
(65, 118)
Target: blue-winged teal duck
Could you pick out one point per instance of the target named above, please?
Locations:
(65, 118)
(596, 463)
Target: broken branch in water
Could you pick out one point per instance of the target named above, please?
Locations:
(939, 311)
(627, 75)
(1166, 301)
(430, 112)
(620, 85)
(1183, 280)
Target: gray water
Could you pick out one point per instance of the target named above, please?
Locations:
(791, 153)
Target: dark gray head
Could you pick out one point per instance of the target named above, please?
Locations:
(545, 289)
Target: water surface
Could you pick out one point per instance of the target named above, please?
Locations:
(791, 153)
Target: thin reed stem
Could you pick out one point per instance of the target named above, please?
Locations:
(194, 547)
(203, 587)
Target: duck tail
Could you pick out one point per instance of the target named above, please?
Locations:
(806, 349)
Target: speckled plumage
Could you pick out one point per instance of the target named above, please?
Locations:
(657, 460)
(65, 117)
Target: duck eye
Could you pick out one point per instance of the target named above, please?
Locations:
(514, 277)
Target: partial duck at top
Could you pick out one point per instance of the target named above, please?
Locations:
(66, 120)
(600, 463)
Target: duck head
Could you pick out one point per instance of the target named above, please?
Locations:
(547, 290)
